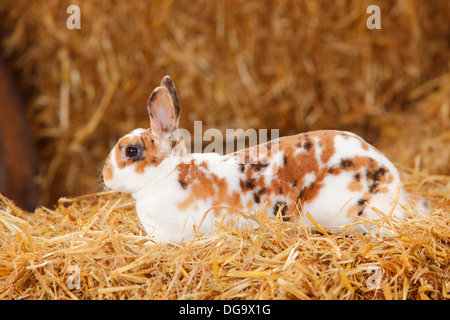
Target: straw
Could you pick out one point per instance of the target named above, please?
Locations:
(101, 242)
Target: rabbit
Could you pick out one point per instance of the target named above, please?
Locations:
(335, 176)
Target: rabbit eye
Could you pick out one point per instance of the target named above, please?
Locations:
(131, 152)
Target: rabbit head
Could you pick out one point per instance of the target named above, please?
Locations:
(144, 156)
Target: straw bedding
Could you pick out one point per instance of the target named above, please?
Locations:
(295, 66)
(99, 234)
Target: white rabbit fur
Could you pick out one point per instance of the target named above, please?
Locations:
(334, 175)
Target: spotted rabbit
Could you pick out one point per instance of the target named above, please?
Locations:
(335, 176)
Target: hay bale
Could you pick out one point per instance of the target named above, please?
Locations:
(269, 64)
(425, 142)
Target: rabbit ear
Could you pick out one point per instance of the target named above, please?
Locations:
(161, 112)
(168, 83)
